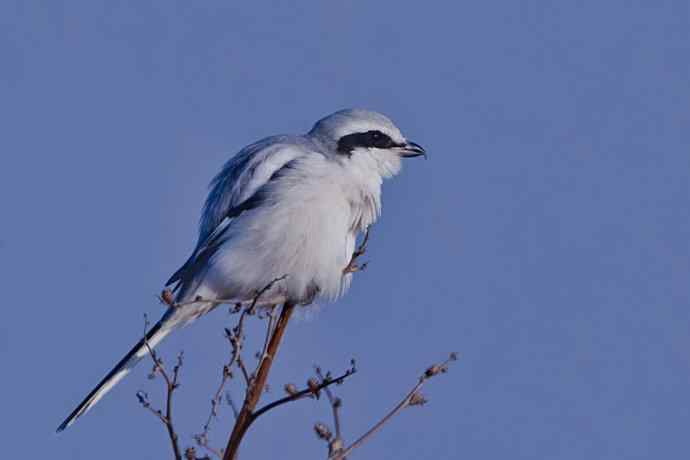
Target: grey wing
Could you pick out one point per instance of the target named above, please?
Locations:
(234, 190)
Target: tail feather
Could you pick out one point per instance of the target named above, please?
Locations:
(140, 350)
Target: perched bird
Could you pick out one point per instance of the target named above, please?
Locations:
(285, 208)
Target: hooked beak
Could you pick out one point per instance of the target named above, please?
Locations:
(412, 149)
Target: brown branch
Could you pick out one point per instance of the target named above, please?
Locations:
(171, 384)
(256, 387)
(413, 398)
(236, 338)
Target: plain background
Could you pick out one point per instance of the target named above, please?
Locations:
(546, 239)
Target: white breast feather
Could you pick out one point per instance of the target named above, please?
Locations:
(306, 230)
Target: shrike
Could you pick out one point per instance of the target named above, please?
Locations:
(286, 207)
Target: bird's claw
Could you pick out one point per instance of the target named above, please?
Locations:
(353, 267)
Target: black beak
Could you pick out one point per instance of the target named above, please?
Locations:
(412, 149)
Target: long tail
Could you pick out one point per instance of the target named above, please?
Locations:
(153, 337)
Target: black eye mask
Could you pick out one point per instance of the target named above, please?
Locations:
(369, 139)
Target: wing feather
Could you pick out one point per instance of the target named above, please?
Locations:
(234, 191)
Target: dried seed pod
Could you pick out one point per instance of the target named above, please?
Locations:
(418, 399)
(322, 431)
(290, 389)
(313, 386)
(433, 370)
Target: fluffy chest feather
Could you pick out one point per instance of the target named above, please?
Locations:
(305, 228)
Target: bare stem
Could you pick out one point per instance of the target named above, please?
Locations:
(412, 398)
(302, 394)
(202, 438)
(171, 384)
(336, 444)
(233, 406)
(269, 330)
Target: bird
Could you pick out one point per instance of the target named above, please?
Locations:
(282, 215)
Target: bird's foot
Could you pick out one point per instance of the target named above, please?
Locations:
(353, 266)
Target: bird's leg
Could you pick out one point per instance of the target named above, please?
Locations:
(353, 266)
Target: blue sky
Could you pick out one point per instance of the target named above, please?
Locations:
(545, 240)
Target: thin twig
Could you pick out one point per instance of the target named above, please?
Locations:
(237, 335)
(143, 398)
(236, 338)
(336, 444)
(412, 398)
(276, 300)
(203, 442)
(247, 378)
(202, 438)
(166, 297)
(269, 330)
(332, 399)
(301, 394)
(264, 290)
(231, 403)
(171, 384)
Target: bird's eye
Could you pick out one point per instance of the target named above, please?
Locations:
(379, 140)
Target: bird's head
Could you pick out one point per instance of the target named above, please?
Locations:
(354, 134)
